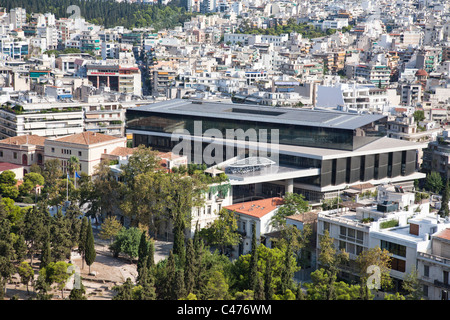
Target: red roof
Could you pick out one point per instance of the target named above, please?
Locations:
(444, 234)
(257, 208)
(8, 166)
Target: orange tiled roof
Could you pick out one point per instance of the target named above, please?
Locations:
(87, 138)
(122, 151)
(444, 234)
(257, 208)
(30, 139)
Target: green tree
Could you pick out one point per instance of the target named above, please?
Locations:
(412, 285)
(82, 239)
(217, 287)
(253, 275)
(78, 293)
(293, 203)
(179, 238)
(222, 231)
(57, 272)
(190, 266)
(142, 253)
(26, 273)
(127, 242)
(110, 228)
(444, 210)
(419, 115)
(378, 258)
(90, 252)
(433, 182)
(125, 291)
(46, 252)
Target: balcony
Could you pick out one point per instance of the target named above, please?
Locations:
(443, 285)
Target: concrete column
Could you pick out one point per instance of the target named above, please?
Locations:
(289, 184)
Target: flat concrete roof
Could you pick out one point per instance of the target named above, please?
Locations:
(276, 115)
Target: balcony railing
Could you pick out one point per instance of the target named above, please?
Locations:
(434, 258)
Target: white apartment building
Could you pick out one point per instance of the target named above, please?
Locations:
(352, 97)
(250, 39)
(433, 266)
(42, 119)
(395, 223)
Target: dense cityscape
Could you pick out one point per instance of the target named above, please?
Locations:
(253, 150)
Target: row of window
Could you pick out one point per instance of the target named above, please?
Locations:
(66, 151)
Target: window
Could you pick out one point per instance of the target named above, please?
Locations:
(426, 271)
(15, 155)
(53, 149)
(398, 265)
(326, 226)
(79, 153)
(425, 291)
(446, 277)
(394, 248)
(1, 153)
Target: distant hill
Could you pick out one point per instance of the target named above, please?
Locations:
(109, 13)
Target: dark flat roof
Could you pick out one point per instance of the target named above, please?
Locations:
(235, 111)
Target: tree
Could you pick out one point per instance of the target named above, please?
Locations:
(433, 182)
(329, 260)
(293, 203)
(46, 252)
(444, 210)
(36, 179)
(412, 285)
(82, 239)
(57, 272)
(73, 165)
(253, 275)
(217, 287)
(190, 266)
(419, 115)
(110, 228)
(178, 240)
(90, 252)
(374, 257)
(125, 291)
(268, 283)
(78, 293)
(222, 231)
(142, 253)
(26, 273)
(127, 242)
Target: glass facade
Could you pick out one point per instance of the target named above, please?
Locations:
(289, 134)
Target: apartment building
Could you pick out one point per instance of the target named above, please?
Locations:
(433, 266)
(120, 78)
(394, 222)
(41, 118)
(378, 75)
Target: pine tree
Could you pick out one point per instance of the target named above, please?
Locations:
(444, 210)
(90, 253)
(125, 291)
(178, 241)
(287, 274)
(189, 270)
(268, 284)
(46, 256)
(151, 255)
(179, 288)
(299, 295)
(259, 289)
(253, 269)
(142, 253)
(82, 239)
